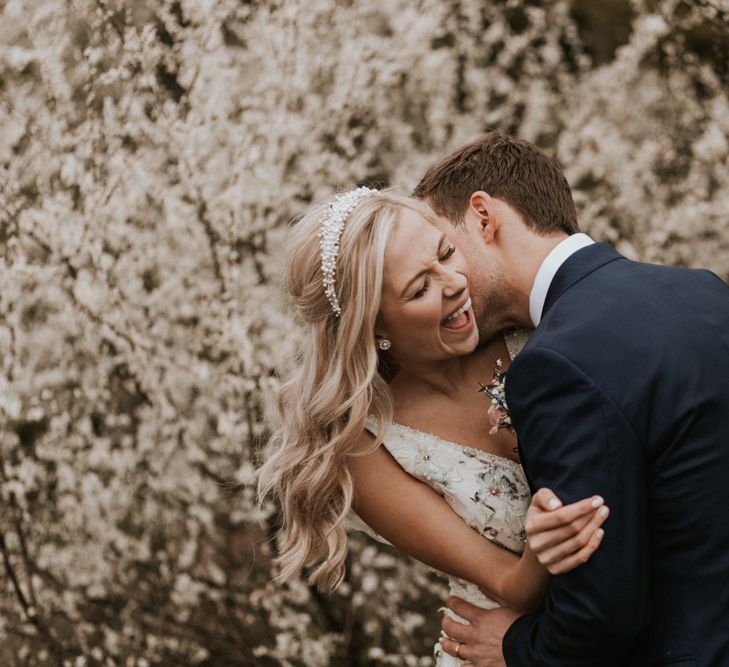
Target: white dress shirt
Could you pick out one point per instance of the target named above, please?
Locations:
(549, 268)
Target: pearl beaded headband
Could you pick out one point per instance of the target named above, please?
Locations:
(332, 226)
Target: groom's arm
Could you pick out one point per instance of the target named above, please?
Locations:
(576, 442)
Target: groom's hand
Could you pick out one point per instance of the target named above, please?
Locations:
(480, 642)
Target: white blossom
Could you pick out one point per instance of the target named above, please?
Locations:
(152, 156)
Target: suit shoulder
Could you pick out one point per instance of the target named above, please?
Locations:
(541, 362)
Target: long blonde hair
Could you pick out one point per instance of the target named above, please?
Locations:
(337, 382)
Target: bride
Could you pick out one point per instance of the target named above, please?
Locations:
(382, 413)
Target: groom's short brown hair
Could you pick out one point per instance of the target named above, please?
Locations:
(506, 168)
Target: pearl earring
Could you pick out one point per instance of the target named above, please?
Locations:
(384, 344)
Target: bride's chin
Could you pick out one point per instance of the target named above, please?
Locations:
(462, 347)
(462, 350)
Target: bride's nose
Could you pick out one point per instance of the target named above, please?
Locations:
(454, 284)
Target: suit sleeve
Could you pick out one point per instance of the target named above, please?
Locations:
(712, 276)
(576, 441)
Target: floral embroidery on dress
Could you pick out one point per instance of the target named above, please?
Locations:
(489, 492)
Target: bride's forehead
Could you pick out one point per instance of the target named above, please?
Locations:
(413, 228)
(412, 241)
(412, 247)
(410, 217)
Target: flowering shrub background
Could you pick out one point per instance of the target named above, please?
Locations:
(152, 153)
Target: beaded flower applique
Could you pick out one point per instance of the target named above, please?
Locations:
(495, 391)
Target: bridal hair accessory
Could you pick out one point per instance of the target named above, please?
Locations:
(384, 344)
(332, 225)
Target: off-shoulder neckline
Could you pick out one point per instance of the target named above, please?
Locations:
(465, 448)
(513, 339)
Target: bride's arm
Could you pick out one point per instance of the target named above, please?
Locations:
(418, 521)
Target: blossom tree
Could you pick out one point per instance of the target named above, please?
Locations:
(152, 155)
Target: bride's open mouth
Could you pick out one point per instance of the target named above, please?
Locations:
(460, 320)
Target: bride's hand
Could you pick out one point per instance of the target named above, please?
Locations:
(564, 537)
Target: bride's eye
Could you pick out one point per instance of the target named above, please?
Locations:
(422, 290)
(448, 253)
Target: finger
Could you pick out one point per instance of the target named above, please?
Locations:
(563, 542)
(463, 609)
(581, 557)
(544, 520)
(539, 542)
(546, 499)
(450, 647)
(456, 630)
(572, 545)
(539, 520)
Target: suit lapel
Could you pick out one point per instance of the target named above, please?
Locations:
(576, 267)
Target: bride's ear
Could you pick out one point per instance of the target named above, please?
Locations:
(381, 336)
(482, 206)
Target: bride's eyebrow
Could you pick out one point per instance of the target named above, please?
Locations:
(427, 268)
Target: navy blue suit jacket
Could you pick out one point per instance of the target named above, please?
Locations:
(623, 391)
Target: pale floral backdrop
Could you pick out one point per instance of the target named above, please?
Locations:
(152, 153)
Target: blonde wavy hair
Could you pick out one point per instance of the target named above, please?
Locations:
(339, 379)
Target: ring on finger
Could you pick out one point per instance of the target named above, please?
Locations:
(458, 650)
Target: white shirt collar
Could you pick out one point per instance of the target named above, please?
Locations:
(549, 268)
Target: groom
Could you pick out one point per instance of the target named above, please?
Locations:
(622, 390)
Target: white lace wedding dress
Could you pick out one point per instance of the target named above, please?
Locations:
(489, 492)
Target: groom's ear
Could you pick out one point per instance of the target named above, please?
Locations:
(483, 208)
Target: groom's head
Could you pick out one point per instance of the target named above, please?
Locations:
(507, 201)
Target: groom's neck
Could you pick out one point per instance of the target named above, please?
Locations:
(525, 257)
